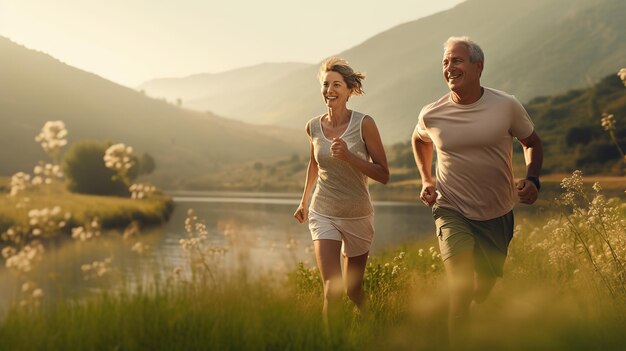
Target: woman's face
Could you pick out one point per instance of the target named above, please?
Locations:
(335, 91)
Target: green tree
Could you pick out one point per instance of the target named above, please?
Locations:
(146, 164)
(578, 135)
(85, 172)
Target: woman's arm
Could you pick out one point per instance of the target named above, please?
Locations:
(378, 168)
(302, 212)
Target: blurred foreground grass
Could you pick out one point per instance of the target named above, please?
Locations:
(563, 290)
(528, 310)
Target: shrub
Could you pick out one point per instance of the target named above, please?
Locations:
(85, 172)
(578, 135)
(597, 152)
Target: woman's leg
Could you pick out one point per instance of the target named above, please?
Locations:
(327, 254)
(354, 268)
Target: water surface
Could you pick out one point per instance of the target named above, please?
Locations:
(257, 229)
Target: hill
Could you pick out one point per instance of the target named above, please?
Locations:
(570, 127)
(37, 88)
(195, 89)
(532, 48)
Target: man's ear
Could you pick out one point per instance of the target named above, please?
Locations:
(480, 65)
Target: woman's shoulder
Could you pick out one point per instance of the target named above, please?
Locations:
(314, 119)
(364, 118)
(359, 117)
(368, 125)
(312, 122)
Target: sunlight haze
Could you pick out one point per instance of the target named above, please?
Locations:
(130, 42)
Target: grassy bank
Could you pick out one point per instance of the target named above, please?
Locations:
(113, 212)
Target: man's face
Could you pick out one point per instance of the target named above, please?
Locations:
(458, 71)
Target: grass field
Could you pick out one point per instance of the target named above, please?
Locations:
(527, 311)
(564, 289)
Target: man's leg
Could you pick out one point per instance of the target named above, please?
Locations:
(460, 273)
(493, 238)
(483, 284)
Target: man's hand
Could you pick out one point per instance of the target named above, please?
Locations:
(428, 194)
(527, 191)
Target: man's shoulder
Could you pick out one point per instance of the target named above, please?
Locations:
(499, 94)
(442, 101)
(505, 102)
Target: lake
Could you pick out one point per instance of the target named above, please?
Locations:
(260, 231)
(268, 223)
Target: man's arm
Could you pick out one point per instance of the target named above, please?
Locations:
(533, 154)
(423, 154)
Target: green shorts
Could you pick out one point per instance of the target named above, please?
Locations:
(489, 240)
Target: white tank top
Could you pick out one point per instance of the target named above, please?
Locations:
(341, 190)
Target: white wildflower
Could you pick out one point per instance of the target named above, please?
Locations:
(118, 158)
(139, 247)
(622, 75)
(37, 293)
(52, 137)
(19, 182)
(608, 122)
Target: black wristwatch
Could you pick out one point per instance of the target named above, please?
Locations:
(535, 181)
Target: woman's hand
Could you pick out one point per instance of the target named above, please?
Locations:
(339, 149)
(301, 214)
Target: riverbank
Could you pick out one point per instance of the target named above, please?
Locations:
(112, 212)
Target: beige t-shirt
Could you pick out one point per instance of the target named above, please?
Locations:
(474, 150)
(341, 190)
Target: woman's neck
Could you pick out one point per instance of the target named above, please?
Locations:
(338, 116)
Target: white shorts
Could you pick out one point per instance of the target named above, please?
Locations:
(356, 234)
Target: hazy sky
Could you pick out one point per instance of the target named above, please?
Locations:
(131, 41)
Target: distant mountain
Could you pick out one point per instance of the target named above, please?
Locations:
(532, 47)
(36, 88)
(196, 91)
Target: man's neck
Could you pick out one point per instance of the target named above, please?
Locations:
(467, 97)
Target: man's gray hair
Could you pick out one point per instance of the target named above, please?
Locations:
(475, 52)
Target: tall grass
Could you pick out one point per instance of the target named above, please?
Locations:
(561, 291)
